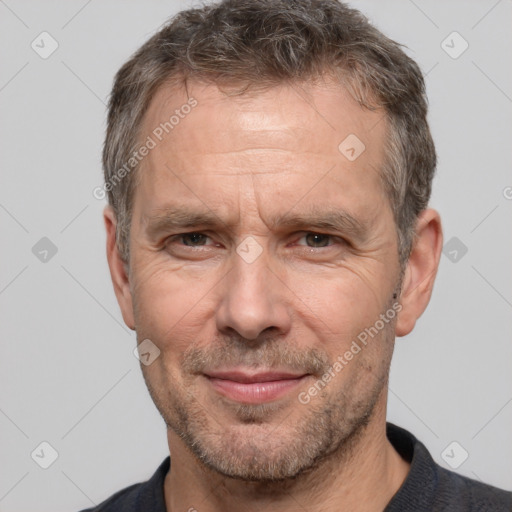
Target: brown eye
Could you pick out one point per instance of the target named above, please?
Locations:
(317, 240)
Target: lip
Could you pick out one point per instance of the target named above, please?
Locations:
(254, 388)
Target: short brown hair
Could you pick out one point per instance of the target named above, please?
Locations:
(264, 43)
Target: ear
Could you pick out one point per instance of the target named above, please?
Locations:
(118, 269)
(421, 270)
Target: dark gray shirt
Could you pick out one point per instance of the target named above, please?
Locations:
(427, 488)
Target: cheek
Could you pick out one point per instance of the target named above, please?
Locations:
(170, 307)
(338, 309)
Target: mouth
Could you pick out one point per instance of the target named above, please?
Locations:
(254, 388)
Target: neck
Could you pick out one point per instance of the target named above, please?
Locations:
(362, 476)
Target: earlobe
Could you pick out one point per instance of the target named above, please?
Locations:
(118, 273)
(421, 271)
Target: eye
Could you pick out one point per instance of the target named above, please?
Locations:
(193, 239)
(317, 240)
(192, 246)
(189, 239)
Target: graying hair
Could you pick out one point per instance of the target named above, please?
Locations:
(263, 43)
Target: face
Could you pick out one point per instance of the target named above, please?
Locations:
(261, 255)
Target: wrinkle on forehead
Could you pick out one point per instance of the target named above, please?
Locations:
(285, 143)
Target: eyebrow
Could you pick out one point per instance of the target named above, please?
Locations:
(338, 220)
(171, 218)
(182, 217)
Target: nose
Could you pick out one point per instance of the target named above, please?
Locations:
(252, 300)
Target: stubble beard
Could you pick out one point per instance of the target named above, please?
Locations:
(264, 445)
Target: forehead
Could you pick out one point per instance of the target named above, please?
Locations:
(287, 114)
(299, 136)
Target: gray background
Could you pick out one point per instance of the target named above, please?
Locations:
(68, 375)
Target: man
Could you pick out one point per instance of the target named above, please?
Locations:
(269, 166)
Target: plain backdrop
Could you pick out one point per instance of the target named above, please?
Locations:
(68, 376)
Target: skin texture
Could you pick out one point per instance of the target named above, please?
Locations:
(249, 161)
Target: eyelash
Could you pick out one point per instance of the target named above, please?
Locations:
(332, 238)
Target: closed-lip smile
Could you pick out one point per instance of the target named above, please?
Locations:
(253, 387)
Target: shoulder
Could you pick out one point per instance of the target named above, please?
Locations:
(140, 497)
(431, 488)
(469, 494)
(123, 500)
